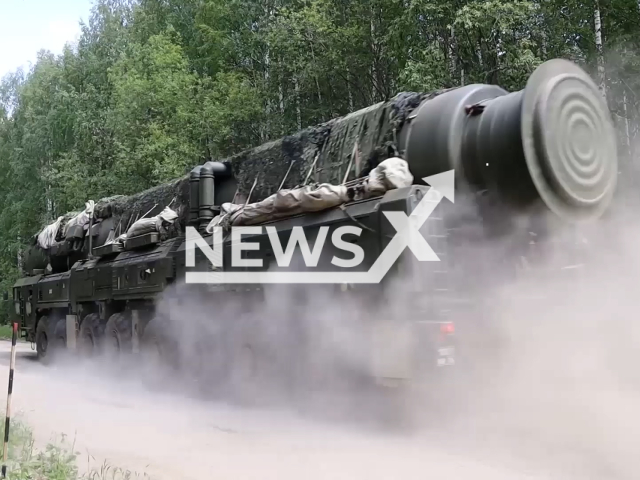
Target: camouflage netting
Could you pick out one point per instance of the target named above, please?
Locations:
(374, 127)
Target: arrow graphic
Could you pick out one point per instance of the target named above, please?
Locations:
(444, 183)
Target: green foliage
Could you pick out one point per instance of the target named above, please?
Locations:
(6, 332)
(58, 460)
(153, 114)
(230, 113)
(425, 72)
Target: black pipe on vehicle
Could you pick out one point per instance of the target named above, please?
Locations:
(207, 195)
(194, 195)
(215, 180)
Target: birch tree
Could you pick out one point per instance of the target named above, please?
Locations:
(599, 49)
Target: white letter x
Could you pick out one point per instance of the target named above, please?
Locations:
(408, 228)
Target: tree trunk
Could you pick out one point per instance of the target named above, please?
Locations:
(479, 55)
(374, 71)
(315, 77)
(296, 87)
(281, 105)
(599, 50)
(268, 14)
(452, 58)
(626, 121)
(281, 90)
(267, 64)
(19, 253)
(349, 92)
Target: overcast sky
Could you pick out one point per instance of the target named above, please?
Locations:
(27, 26)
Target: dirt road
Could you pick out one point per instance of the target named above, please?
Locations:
(174, 437)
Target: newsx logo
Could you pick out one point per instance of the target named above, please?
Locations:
(311, 255)
(407, 236)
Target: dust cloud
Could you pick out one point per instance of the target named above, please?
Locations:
(546, 379)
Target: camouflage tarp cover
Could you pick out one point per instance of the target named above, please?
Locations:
(374, 127)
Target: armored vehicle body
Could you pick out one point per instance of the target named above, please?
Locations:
(106, 281)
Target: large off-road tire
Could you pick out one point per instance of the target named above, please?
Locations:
(50, 338)
(244, 369)
(157, 347)
(117, 335)
(91, 335)
(60, 334)
(45, 346)
(244, 373)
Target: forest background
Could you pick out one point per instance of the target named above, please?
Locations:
(152, 87)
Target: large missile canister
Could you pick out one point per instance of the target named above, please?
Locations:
(553, 141)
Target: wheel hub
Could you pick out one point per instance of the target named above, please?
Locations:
(43, 343)
(115, 339)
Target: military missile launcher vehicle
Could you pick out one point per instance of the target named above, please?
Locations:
(94, 281)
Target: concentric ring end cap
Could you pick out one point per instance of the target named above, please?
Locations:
(569, 141)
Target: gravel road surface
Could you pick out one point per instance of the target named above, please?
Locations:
(171, 436)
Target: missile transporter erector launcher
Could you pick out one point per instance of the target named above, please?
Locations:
(550, 147)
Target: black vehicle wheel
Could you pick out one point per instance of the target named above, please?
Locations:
(157, 346)
(117, 334)
(44, 345)
(244, 372)
(60, 334)
(91, 334)
(244, 366)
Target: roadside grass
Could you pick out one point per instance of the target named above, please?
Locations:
(58, 461)
(5, 332)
